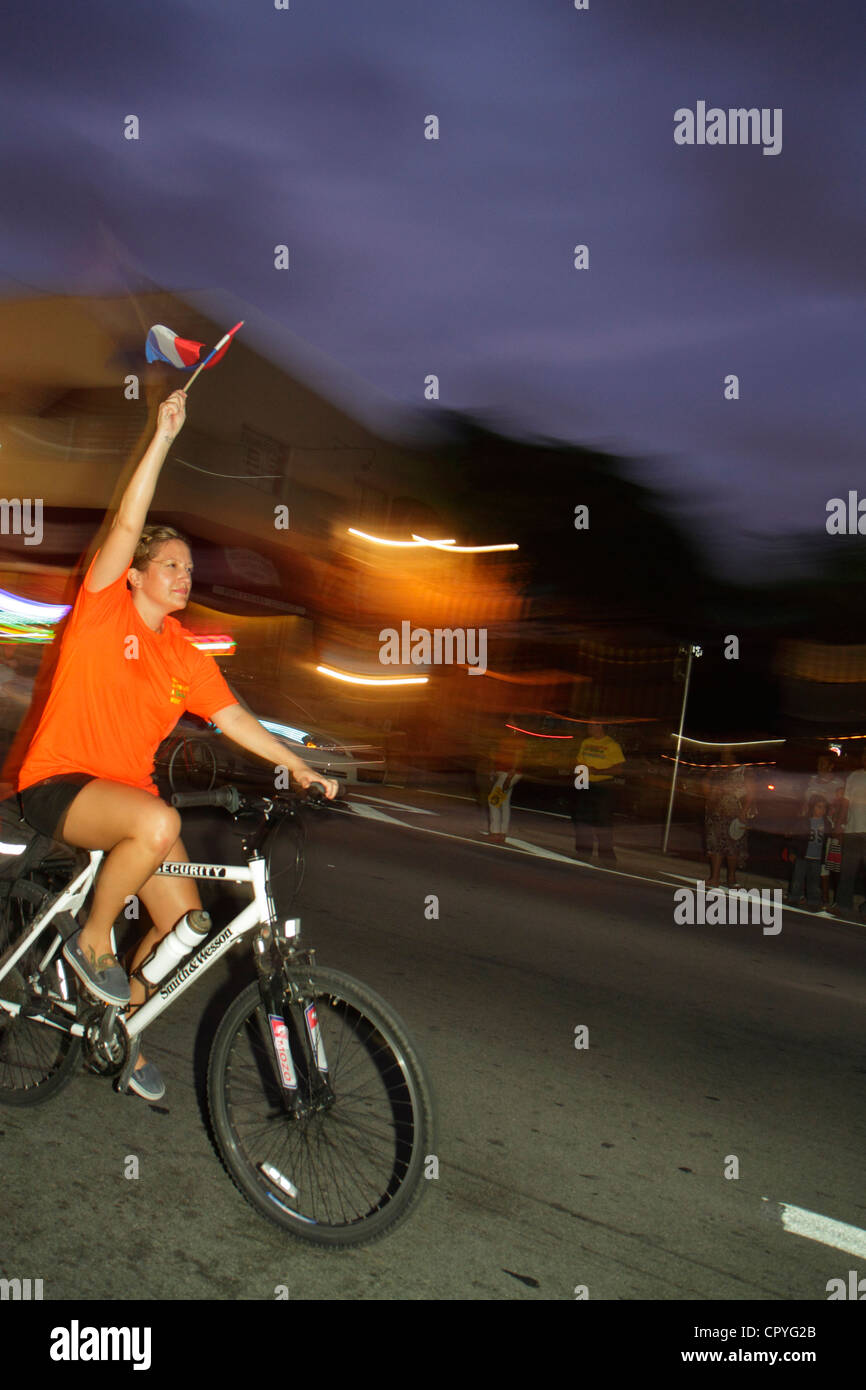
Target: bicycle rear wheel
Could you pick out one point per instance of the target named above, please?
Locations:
(356, 1168)
(36, 1060)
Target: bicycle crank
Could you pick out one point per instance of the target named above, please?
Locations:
(105, 1043)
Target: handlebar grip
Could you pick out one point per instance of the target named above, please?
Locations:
(226, 797)
(315, 793)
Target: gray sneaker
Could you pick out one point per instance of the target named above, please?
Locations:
(147, 1082)
(111, 985)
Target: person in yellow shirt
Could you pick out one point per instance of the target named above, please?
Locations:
(604, 760)
(504, 779)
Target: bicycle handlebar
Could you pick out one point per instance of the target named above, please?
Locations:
(227, 797)
(230, 799)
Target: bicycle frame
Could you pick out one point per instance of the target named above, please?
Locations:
(259, 912)
(333, 1154)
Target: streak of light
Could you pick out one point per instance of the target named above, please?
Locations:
(213, 643)
(380, 540)
(30, 610)
(731, 743)
(12, 632)
(465, 549)
(534, 677)
(371, 680)
(517, 729)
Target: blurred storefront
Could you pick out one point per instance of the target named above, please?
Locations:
(823, 688)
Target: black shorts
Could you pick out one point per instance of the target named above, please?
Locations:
(45, 803)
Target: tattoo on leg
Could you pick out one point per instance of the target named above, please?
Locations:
(100, 963)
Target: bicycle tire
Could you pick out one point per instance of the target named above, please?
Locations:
(36, 1061)
(191, 776)
(247, 1080)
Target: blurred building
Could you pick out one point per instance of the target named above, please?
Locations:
(278, 433)
(823, 687)
(281, 453)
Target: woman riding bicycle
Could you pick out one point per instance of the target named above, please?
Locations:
(126, 673)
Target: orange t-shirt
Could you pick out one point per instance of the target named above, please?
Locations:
(118, 691)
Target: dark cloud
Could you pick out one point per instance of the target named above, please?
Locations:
(410, 256)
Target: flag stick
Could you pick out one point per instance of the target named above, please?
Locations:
(222, 342)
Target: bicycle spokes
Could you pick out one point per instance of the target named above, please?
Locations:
(341, 1151)
(36, 1059)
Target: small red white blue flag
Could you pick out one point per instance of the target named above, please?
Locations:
(163, 345)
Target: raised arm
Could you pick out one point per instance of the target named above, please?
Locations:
(116, 554)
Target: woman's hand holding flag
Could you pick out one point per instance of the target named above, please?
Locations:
(172, 414)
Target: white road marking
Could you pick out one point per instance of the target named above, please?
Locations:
(812, 1226)
(684, 878)
(545, 853)
(400, 805)
(373, 813)
(451, 796)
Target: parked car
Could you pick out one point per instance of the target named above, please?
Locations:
(197, 756)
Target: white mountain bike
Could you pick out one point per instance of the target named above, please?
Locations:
(321, 1107)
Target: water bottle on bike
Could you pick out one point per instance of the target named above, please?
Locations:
(189, 933)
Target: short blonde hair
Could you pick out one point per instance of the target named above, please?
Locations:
(152, 537)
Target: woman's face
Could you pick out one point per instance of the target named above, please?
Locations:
(167, 579)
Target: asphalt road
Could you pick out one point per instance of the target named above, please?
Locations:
(560, 1167)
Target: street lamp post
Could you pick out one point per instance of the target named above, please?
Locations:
(693, 652)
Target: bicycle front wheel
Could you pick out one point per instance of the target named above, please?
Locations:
(343, 1175)
(36, 1060)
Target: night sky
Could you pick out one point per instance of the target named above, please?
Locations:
(410, 256)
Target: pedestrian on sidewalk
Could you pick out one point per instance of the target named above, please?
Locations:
(828, 783)
(593, 805)
(852, 823)
(729, 795)
(812, 834)
(504, 779)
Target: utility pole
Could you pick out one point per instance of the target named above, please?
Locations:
(693, 651)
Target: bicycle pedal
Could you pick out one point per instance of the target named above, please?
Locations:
(122, 1080)
(66, 924)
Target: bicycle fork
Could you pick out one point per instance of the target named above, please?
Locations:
(293, 1039)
